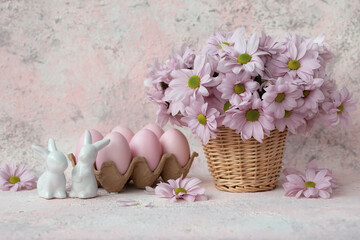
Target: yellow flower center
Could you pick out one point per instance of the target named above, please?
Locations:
(194, 82)
(294, 64)
(309, 184)
(306, 93)
(179, 190)
(340, 108)
(280, 97)
(252, 115)
(202, 119)
(226, 43)
(244, 58)
(227, 106)
(287, 114)
(239, 88)
(14, 179)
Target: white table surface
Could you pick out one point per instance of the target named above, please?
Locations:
(263, 215)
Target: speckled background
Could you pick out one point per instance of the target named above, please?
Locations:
(70, 65)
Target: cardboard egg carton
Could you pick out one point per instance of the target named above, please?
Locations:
(113, 181)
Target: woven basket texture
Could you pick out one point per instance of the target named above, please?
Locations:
(245, 166)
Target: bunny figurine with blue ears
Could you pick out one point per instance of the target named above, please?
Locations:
(84, 184)
(52, 183)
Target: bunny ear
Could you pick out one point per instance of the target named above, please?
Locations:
(43, 152)
(51, 145)
(87, 138)
(101, 144)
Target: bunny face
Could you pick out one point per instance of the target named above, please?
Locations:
(88, 154)
(56, 162)
(89, 151)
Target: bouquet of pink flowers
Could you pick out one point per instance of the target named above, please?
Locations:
(250, 85)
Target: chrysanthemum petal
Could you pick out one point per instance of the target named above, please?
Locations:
(324, 194)
(189, 198)
(310, 174)
(253, 44)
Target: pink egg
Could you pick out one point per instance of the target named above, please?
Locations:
(117, 151)
(95, 136)
(146, 144)
(173, 141)
(155, 129)
(125, 131)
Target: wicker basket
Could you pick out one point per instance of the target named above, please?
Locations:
(249, 166)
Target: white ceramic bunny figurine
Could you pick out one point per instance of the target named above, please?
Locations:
(52, 183)
(84, 184)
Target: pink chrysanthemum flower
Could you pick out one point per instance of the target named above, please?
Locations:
(159, 76)
(318, 44)
(292, 120)
(270, 44)
(233, 74)
(201, 120)
(163, 116)
(213, 61)
(312, 95)
(313, 165)
(297, 60)
(16, 178)
(187, 83)
(183, 58)
(338, 108)
(220, 104)
(313, 184)
(310, 121)
(281, 97)
(164, 113)
(328, 87)
(322, 47)
(176, 107)
(155, 96)
(237, 88)
(215, 42)
(244, 56)
(215, 100)
(249, 119)
(181, 188)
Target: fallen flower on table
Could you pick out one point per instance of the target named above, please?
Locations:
(314, 183)
(14, 178)
(181, 188)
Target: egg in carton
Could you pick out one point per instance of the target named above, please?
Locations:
(112, 180)
(154, 154)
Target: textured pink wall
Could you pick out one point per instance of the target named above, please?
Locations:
(67, 66)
